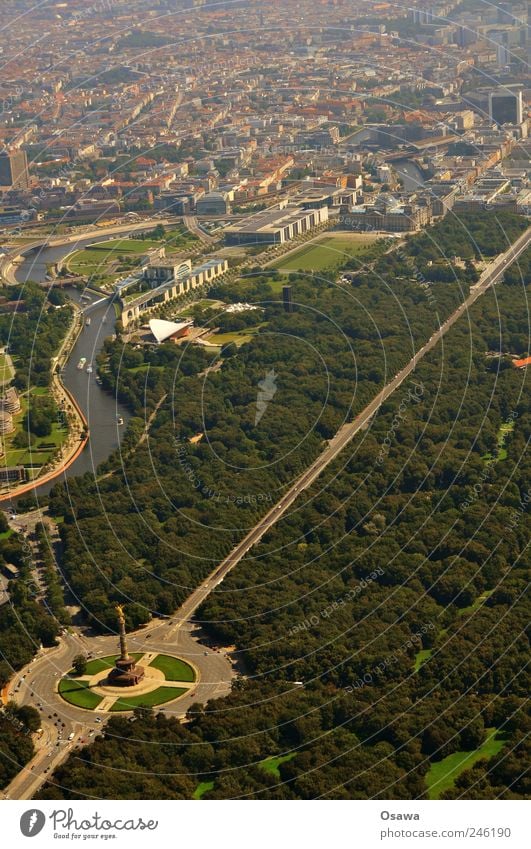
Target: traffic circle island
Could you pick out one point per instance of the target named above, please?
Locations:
(165, 678)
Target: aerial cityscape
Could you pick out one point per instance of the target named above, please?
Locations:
(264, 401)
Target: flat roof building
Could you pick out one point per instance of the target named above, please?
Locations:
(275, 226)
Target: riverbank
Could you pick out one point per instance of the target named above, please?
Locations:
(78, 434)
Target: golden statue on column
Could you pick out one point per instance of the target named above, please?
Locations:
(125, 673)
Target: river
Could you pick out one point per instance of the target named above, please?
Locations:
(101, 408)
(411, 174)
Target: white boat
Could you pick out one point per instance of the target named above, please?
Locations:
(81, 363)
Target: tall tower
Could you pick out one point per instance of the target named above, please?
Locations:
(287, 299)
(125, 673)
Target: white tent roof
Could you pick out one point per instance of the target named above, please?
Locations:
(162, 330)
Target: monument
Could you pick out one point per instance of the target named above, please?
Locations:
(125, 673)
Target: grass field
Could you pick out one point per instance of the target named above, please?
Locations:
(442, 775)
(173, 668)
(156, 697)
(501, 453)
(123, 246)
(239, 337)
(421, 657)
(78, 693)
(330, 252)
(203, 788)
(481, 599)
(101, 663)
(272, 764)
(205, 303)
(36, 455)
(102, 258)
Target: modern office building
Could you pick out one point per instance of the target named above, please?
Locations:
(506, 106)
(175, 284)
(14, 169)
(166, 271)
(213, 203)
(275, 226)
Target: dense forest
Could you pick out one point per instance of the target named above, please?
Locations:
(382, 623)
(34, 332)
(174, 508)
(394, 591)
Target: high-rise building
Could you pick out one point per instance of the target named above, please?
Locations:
(287, 299)
(506, 106)
(14, 169)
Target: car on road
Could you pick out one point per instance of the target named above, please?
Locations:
(71, 735)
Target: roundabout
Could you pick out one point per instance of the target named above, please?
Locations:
(165, 679)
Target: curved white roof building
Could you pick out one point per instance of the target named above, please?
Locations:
(163, 330)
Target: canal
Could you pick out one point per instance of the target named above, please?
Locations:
(411, 174)
(101, 408)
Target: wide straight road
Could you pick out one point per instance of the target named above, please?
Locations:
(346, 434)
(37, 683)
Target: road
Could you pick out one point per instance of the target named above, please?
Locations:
(38, 682)
(346, 434)
(190, 222)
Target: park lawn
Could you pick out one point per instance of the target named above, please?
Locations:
(146, 367)
(443, 774)
(239, 337)
(421, 657)
(330, 252)
(34, 456)
(78, 693)
(156, 697)
(97, 257)
(501, 454)
(179, 237)
(173, 668)
(480, 600)
(204, 303)
(272, 764)
(125, 246)
(276, 286)
(202, 788)
(101, 663)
